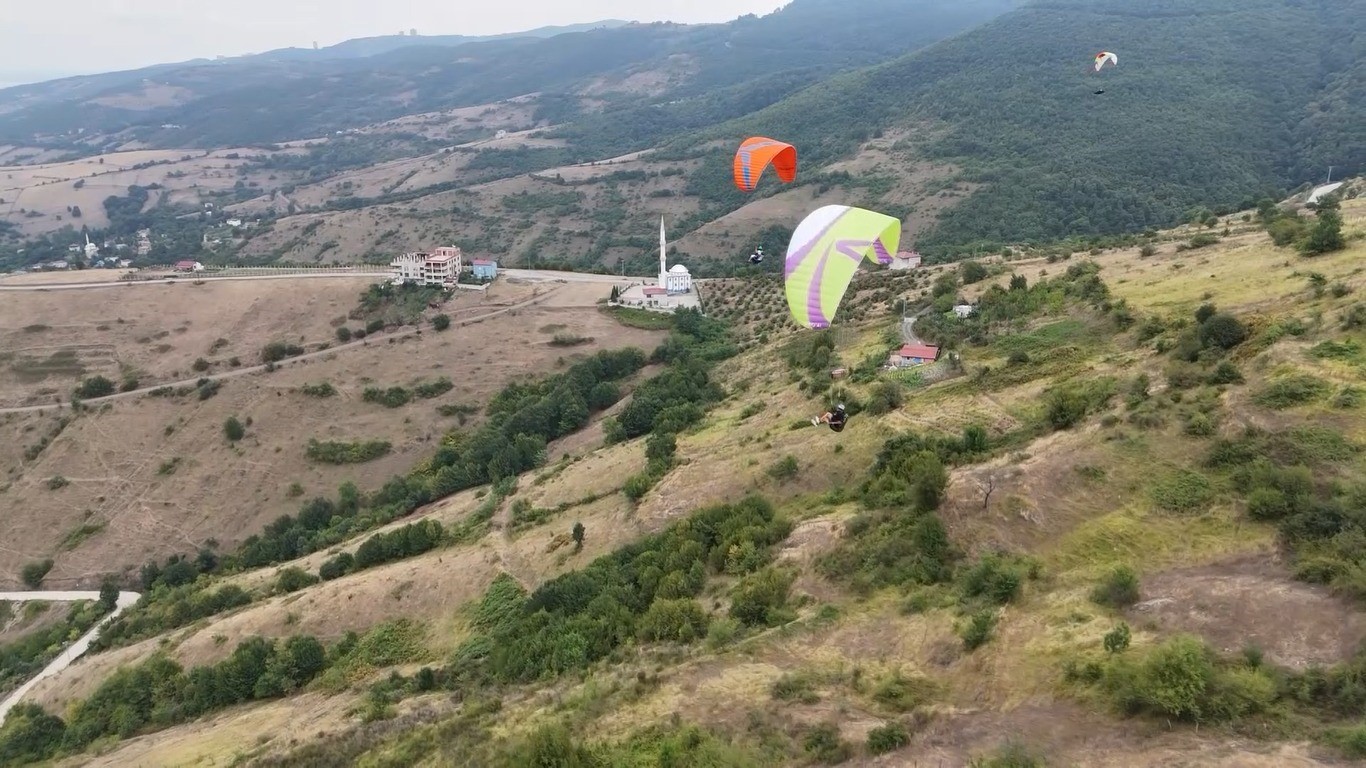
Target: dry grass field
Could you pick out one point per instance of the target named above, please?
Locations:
(37, 197)
(152, 475)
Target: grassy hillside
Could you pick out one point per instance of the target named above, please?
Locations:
(1124, 530)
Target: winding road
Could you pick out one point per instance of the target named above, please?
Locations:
(75, 650)
(287, 361)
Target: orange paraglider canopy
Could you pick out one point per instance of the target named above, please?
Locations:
(759, 152)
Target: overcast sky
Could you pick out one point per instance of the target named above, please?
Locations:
(40, 38)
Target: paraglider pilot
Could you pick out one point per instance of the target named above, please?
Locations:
(835, 419)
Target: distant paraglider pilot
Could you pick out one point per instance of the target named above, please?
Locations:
(757, 256)
(834, 418)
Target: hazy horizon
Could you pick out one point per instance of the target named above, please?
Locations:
(111, 35)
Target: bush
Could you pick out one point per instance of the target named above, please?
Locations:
(93, 387)
(343, 334)
(1226, 373)
(276, 351)
(441, 322)
(33, 574)
(886, 397)
(293, 579)
(332, 452)
(374, 326)
(888, 738)
(785, 468)
(1117, 639)
(1119, 589)
(979, 629)
(324, 389)
(1223, 331)
(824, 744)
(1290, 391)
(200, 365)
(794, 687)
(233, 429)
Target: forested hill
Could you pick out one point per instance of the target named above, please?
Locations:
(264, 99)
(1219, 102)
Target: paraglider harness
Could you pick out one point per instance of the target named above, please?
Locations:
(837, 419)
(757, 256)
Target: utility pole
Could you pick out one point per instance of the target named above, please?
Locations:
(1330, 175)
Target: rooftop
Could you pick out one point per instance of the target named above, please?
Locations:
(922, 351)
(484, 263)
(441, 258)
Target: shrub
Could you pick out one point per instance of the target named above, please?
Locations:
(200, 365)
(886, 397)
(293, 579)
(33, 574)
(1226, 373)
(276, 351)
(441, 322)
(1118, 590)
(343, 334)
(1290, 391)
(824, 744)
(333, 452)
(979, 629)
(1117, 639)
(570, 340)
(785, 468)
(794, 687)
(93, 387)
(1223, 331)
(374, 326)
(1182, 491)
(233, 429)
(888, 738)
(325, 389)
(56, 481)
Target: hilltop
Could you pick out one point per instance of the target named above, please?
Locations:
(1124, 480)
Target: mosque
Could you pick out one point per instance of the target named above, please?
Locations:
(673, 289)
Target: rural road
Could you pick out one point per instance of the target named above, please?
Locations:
(73, 651)
(164, 281)
(908, 327)
(287, 361)
(539, 275)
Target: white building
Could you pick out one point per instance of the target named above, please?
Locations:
(906, 260)
(677, 279)
(440, 267)
(963, 310)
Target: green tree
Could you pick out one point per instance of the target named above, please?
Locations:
(233, 429)
(972, 272)
(109, 595)
(929, 479)
(578, 536)
(1325, 236)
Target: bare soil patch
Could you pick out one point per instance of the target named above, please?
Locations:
(1254, 601)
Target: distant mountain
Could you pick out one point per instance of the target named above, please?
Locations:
(372, 46)
(269, 99)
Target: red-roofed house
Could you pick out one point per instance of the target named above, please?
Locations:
(914, 354)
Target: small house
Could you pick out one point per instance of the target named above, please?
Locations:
(185, 265)
(914, 354)
(963, 310)
(484, 269)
